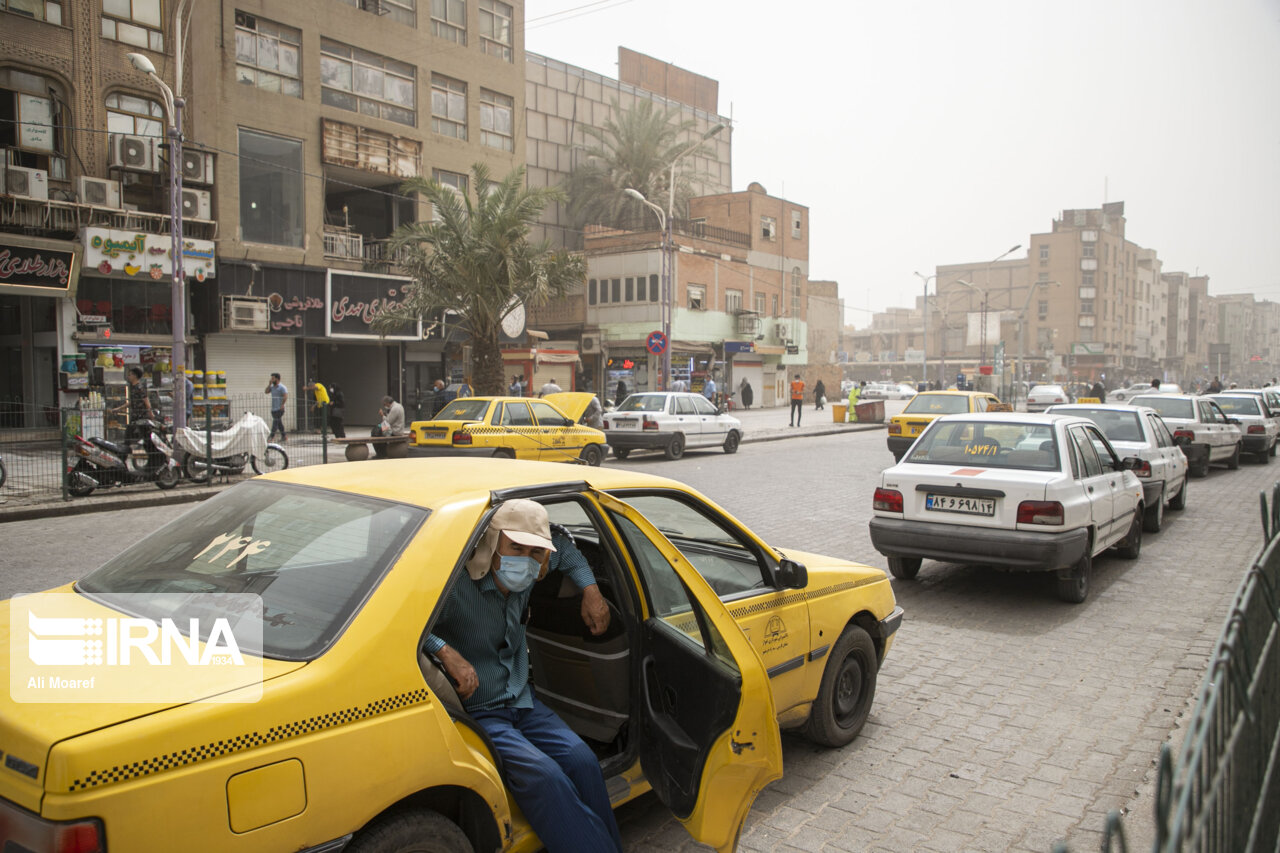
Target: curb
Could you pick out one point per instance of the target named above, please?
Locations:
(187, 493)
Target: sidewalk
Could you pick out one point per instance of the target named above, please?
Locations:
(758, 425)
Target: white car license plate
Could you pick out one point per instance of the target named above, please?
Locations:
(955, 503)
(625, 424)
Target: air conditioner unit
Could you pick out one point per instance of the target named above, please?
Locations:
(780, 331)
(590, 344)
(196, 204)
(244, 314)
(134, 153)
(98, 192)
(26, 183)
(197, 167)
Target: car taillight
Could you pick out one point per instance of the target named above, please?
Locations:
(1059, 400)
(1257, 429)
(1040, 512)
(1184, 433)
(649, 423)
(895, 428)
(26, 831)
(606, 425)
(460, 437)
(1143, 470)
(887, 500)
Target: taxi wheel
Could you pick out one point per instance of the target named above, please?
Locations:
(847, 690)
(1180, 499)
(904, 568)
(1131, 545)
(1073, 583)
(731, 442)
(504, 453)
(1153, 518)
(592, 455)
(675, 447)
(621, 452)
(1233, 462)
(411, 832)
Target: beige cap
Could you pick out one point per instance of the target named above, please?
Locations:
(524, 521)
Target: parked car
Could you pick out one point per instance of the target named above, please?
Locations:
(1042, 397)
(1121, 395)
(887, 391)
(1256, 422)
(1209, 435)
(1139, 431)
(510, 427)
(927, 405)
(670, 421)
(1024, 492)
(349, 735)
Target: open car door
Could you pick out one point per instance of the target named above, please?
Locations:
(709, 736)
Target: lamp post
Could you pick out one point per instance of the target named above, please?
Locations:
(1022, 328)
(664, 223)
(982, 336)
(178, 300)
(924, 313)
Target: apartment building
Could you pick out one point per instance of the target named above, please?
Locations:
(300, 122)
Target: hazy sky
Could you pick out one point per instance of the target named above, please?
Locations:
(930, 132)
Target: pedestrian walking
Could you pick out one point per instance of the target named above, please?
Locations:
(321, 404)
(337, 412)
(1215, 387)
(819, 396)
(797, 400)
(709, 389)
(855, 391)
(745, 393)
(1098, 391)
(279, 397)
(621, 393)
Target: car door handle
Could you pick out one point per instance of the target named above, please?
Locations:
(1089, 489)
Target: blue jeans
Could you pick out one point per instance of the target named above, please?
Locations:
(277, 422)
(554, 778)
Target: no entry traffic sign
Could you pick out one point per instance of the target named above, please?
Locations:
(656, 343)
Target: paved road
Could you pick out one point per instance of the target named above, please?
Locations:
(1005, 719)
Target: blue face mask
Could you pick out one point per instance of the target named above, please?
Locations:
(517, 573)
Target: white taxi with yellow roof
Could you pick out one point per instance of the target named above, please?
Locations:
(1024, 492)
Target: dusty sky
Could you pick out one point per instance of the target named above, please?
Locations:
(927, 132)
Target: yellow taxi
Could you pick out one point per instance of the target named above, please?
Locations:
(512, 427)
(905, 427)
(350, 736)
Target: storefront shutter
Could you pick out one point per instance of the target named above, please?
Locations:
(249, 361)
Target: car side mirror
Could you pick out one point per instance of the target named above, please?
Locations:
(1235, 421)
(1130, 463)
(791, 575)
(1182, 440)
(566, 422)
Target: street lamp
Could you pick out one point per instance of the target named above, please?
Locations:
(173, 117)
(924, 345)
(1022, 328)
(664, 223)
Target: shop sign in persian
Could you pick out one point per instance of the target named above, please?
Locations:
(31, 267)
(133, 254)
(355, 299)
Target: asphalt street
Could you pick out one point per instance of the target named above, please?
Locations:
(1004, 719)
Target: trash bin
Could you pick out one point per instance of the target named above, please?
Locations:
(871, 412)
(839, 411)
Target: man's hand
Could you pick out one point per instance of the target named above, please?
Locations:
(595, 610)
(460, 670)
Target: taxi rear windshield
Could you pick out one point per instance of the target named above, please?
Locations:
(644, 403)
(1116, 426)
(982, 444)
(937, 404)
(463, 410)
(311, 554)
(1238, 405)
(1168, 407)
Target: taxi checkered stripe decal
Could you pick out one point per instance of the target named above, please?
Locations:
(794, 598)
(275, 734)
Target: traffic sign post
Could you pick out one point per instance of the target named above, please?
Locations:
(656, 343)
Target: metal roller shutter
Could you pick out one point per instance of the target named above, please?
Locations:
(249, 361)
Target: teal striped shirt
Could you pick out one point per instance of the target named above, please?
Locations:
(483, 626)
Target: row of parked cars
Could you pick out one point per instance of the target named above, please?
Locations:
(1049, 492)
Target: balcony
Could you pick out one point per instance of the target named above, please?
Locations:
(748, 323)
(694, 228)
(65, 219)
(342, 244)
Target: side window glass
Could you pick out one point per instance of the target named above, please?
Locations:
(979, 404)
(703, 406)
(1106, 454)
(1088, 456)
(546, 415)
(1206, 414)
(684, 406)
(516, 414)
(1163, 439)
(1077, 464)
(1217, 413)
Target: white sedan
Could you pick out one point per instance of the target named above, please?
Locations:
(1042, 397)
(670, 422)
(1037, 493)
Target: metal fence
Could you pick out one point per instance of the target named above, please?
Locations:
(38, 443)
(1222, 792)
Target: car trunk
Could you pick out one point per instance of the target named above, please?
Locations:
(963, 495)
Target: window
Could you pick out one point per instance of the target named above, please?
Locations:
(448, 106)
(697, 297)
(604, 291)
(457, 180)
(795, 224)
(31, 122)
(591, 291)
(495, 29)
(684, 406)
(615, 290)
(768, 227)
(1087, 320)
(401, 11)
(760, 304)
(640, 283)
(733, 301)
(135, 22)
(516, 414)
(796, 278)
(1044, 251)
(135, 116)
(1088, 292)
(1088, 453)
(775, 305)
(366, 83)
(271, 191)
(1042, 277)
(1042, 308)
(496, 122)
(630, 295)
(545, 414)
(1086, 278)
(449, 20)
(267, 55)
(41, 10)
(653, 288)
(1088, 251)
(1086, 307)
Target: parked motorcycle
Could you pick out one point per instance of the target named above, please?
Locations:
(98, 462)
(243, 443)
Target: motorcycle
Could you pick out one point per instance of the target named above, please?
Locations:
(243, 443)
(99, 462)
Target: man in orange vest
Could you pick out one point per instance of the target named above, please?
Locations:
(797, 400)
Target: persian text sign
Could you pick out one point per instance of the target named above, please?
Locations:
(132, 254)
(49, 271)
(355, 299)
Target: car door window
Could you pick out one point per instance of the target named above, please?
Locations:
(516, 415)
(1091, 464)
(684, 406)
(703, 406)
(979, 404)
(1215, 413)
(1163, 438)
(546, 415)
(1106, 454)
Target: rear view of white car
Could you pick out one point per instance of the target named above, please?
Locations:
(1205, 433)
(1033, 493)
(1042, 397)
(1258, 427)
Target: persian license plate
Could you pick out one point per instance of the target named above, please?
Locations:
(955, 503)
(625, 424)
(434, 432)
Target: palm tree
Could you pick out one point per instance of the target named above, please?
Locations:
(475, 260)
(635, 150)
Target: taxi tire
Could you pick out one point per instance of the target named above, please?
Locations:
(1153, 518)
(1179, 501)
(592, 455)
(621, 452)
(904, 568)
(504, 453)
(1233, 461)
(1131, 545)
(675, 447)
(1074, 587)
(847, 690)
(731, 441)
(411, 832)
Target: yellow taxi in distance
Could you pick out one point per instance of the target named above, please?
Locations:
(904, 428)
(512, 427)
(355, 737)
